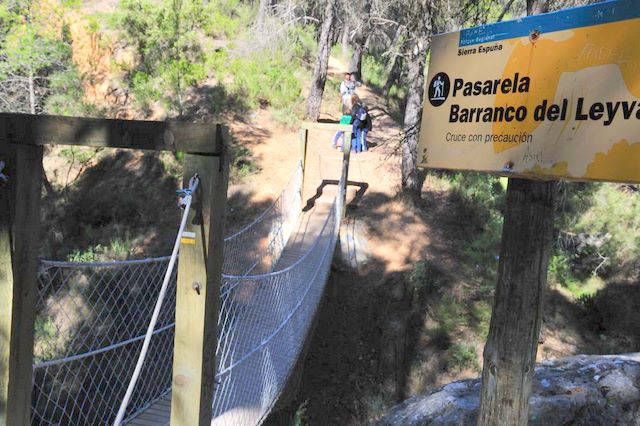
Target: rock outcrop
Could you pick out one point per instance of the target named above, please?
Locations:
(580, 390)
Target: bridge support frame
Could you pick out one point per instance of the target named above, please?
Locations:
(22, 137)
(198, 293)
(346, 149)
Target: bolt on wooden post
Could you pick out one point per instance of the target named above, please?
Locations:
(198, 291)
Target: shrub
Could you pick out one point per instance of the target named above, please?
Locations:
(599, 234)
(461, 357)
(449, 313)
(165, 39)
(587, 301)
(373, 71)
(227, 18)
(82, 256)
(300, 417)
(261, 79)
(425, 278)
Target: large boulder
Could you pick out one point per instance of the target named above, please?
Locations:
(580, 390)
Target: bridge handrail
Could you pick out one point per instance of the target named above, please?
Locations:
(294, 309)
(276, 296)
(268, 209)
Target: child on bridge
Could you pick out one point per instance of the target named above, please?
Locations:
(362, 124)
(345, 119)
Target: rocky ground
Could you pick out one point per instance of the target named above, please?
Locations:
(581, 390)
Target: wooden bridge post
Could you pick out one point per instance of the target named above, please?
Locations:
(346, 150)
(18, 281)
(304, 136)
(198, 289)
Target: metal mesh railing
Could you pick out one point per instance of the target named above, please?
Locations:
(263, 324)
(255, 248)
(91, 320)
(90, 323)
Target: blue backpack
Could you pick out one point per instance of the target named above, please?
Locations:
(362, 117)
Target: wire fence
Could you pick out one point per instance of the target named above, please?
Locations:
(90, 324)
(264, 321)
(255, 248)
(91, 320)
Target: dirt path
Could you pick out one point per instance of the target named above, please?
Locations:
(357, 347)
(276, 150)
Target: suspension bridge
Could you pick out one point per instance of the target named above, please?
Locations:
(91, 320)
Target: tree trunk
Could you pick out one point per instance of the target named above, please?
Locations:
(393, 64)
(314, 102)
(361, 41)
(393, 77)
(535, 7)
(510, 351)
(262, 15)
(412, 178)
(505, 10)
(345, 41)
(355, 64)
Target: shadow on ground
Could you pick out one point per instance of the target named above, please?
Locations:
(382, 337)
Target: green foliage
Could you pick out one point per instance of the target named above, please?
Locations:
(170, 56)
(172, 163)
(120, 248)
(82, 256)
(175, 52)
(300, 416)
(376, 403)
(303, 42)
(78, 155)
(450, 313)
(145, 89)
(480, 199)
(425, 279)
(71, 4)
(260, 79)
(373, 71)
(227, 18)
(614, 213)
(375, 75)
(461, 357)
(480, 317)
(45, 332)
(66, 95)
(336, 52)
(599, 235)
(117, 249)
(587, 301)
(35, 58)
